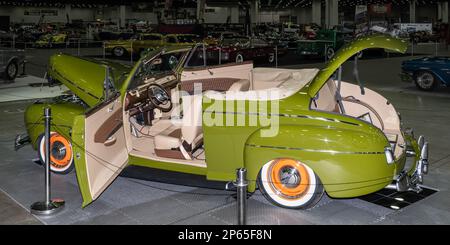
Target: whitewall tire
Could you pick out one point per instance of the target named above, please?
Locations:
(61, 153)
(290, 184)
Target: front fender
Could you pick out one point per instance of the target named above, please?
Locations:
(349, 162)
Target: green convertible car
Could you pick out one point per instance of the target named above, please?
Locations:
(299, 133)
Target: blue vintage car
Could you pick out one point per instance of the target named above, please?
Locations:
(427, 73)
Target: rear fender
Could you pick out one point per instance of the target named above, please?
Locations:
(62, 119)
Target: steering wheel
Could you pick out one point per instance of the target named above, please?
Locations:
(173, 62)
(159, 97)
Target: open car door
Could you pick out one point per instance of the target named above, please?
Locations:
(99, 145)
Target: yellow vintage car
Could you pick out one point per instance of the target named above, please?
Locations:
(144, 42)
(51, 40)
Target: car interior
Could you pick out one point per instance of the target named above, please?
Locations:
(165, 112)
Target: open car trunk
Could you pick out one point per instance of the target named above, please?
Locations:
(85, 77)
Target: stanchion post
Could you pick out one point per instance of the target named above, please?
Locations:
(131, 53)
(104, 50)
(48, 206)
(79, 43)
(48, 121)
(276, 56)
(241, 185)
(436, 46)
(24, 68)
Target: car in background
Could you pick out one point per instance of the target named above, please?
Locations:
(241, 48)
(423, 37)
(51, 40)
(141, 43)
(7, 36)
(326, 43)
(110, 35)
(427, 73)
(10, 62)
(215, 38)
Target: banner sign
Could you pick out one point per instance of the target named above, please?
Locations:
(39, 12)
(414, 27)
(380, 9)
(360, 13)
(361, 19)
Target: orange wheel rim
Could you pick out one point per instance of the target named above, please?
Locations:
(60, 151)
(289, 178)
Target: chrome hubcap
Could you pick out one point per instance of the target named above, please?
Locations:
(290, 177)
(425, 80)
(239, 59)
(118, 51)
(330, 53)
(12, 70)
(58, 150)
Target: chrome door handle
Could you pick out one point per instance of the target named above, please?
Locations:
(110, 141)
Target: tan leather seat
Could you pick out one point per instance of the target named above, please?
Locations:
(186, 137)
(241, 85)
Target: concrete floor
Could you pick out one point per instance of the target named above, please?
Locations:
(130, 201)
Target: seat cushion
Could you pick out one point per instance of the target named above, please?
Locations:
(166, 142)
(241, 85)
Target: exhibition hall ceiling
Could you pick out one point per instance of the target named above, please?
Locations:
(273, 4)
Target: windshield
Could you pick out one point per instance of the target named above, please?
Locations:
(186, 39)
(156, 66)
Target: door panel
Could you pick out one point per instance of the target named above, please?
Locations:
(101, 152)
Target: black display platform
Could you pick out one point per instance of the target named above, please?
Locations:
(397, 200)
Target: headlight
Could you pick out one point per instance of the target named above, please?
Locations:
(389, 155)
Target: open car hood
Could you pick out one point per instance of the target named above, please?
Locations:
(85, 77)
(351, 49)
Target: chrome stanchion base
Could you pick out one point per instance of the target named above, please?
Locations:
(41, 208)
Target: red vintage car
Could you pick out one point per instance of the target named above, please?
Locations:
(239, 49)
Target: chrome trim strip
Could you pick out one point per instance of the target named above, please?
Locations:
(284, 115)
(315, 150)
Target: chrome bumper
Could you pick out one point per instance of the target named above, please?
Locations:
(21, 140)
(411, 182)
